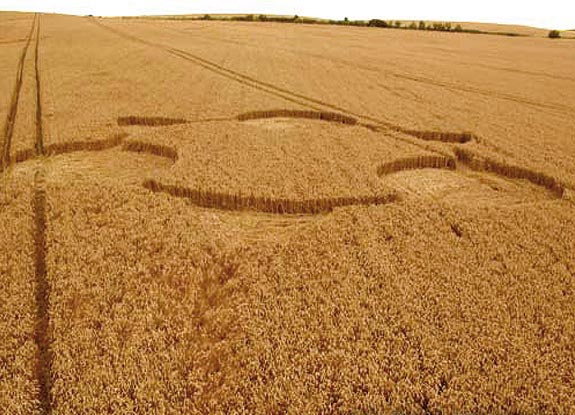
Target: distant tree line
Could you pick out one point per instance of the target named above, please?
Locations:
(379, 23)
(386, 24)
(437, 26)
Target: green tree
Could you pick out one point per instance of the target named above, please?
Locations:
(377, 23)
(421, 25)
(437, 26)
(554, 34)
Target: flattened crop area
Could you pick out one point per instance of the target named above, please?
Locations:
(203, 217)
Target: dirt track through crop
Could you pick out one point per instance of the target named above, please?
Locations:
(42, 331)
(12, 112)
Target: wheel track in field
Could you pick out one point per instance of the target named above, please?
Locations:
(421, 79)
(8, 42)
(461, 159)
(13, 110)
(280, 92)
(209, 198)
(413, 137)
(42, 330)
(225, 201)
(42, 335)
(39, 123)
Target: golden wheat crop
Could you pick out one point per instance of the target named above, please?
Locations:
(18, 381)
(208, 217)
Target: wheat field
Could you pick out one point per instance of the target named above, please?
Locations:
(210, 217)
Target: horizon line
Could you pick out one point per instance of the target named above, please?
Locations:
(219, 13)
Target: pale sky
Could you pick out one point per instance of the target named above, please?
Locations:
(549, 14)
